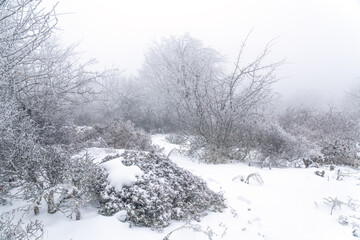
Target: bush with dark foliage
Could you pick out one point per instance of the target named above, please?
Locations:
(165, 192)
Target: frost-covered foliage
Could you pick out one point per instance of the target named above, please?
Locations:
(278, 147)
(333, 203)
(340, 152)
(88, 137)
(164, 192)
(20, 152)
(13, 229)
(54, 179)
(39, 76)
(40, 82)
(37, 172)
(175, 138)
(79, 182)
(333, 135)
(126, 98)
(346, 211)
(213, 105)
(210, 152)
(117, 134)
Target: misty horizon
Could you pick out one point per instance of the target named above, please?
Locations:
(319, 39)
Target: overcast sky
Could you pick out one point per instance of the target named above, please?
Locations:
(319, 38)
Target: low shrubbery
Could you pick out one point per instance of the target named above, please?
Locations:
(340, 152)
(317, 137)
(165, 192)
(17, 230)
(117, 134)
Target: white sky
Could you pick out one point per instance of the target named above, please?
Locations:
(319, 38)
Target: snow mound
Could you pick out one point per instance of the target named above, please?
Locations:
(120, 175)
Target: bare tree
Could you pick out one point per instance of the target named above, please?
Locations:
(39, 83)
(51, 87)
(24, 26)
(212, 105)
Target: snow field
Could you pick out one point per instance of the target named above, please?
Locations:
(289, 205)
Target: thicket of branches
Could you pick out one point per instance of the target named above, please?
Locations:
(41, 83)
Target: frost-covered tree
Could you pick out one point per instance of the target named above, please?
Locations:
(43, 79)
(39, 83)
(211, 104)
(52, 86)
(24, 26)
(117, 97)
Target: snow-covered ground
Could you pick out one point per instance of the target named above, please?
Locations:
(288, 205)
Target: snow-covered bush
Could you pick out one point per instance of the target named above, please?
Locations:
(209, 152)
(41, 82)
(256, 176)
(117, 134)
(20, 153)
(333, 203)
(12, 229)
(175, 138)
(87, 137)
(278, 146)
(340, 152)
(332, 136)
(48, 176)
(164, 192)
(72, 184)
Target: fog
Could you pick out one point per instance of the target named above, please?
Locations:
(318, 38)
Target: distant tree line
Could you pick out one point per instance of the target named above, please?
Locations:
(184, 89)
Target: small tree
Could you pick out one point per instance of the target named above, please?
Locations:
(211, 104)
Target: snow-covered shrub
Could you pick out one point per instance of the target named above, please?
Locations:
(343, 220)
(20, 152)
(117, 134)
(12, 229)
(333, 135)
(333, 203)
(164, 192)
(320, 173)
(176, 138)
(278, 146)
(39, 173)
(80, 182)
(353, 204)
(256, 176)
(50, 176)
(212, 153)
(88, 137)
(340, 152)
